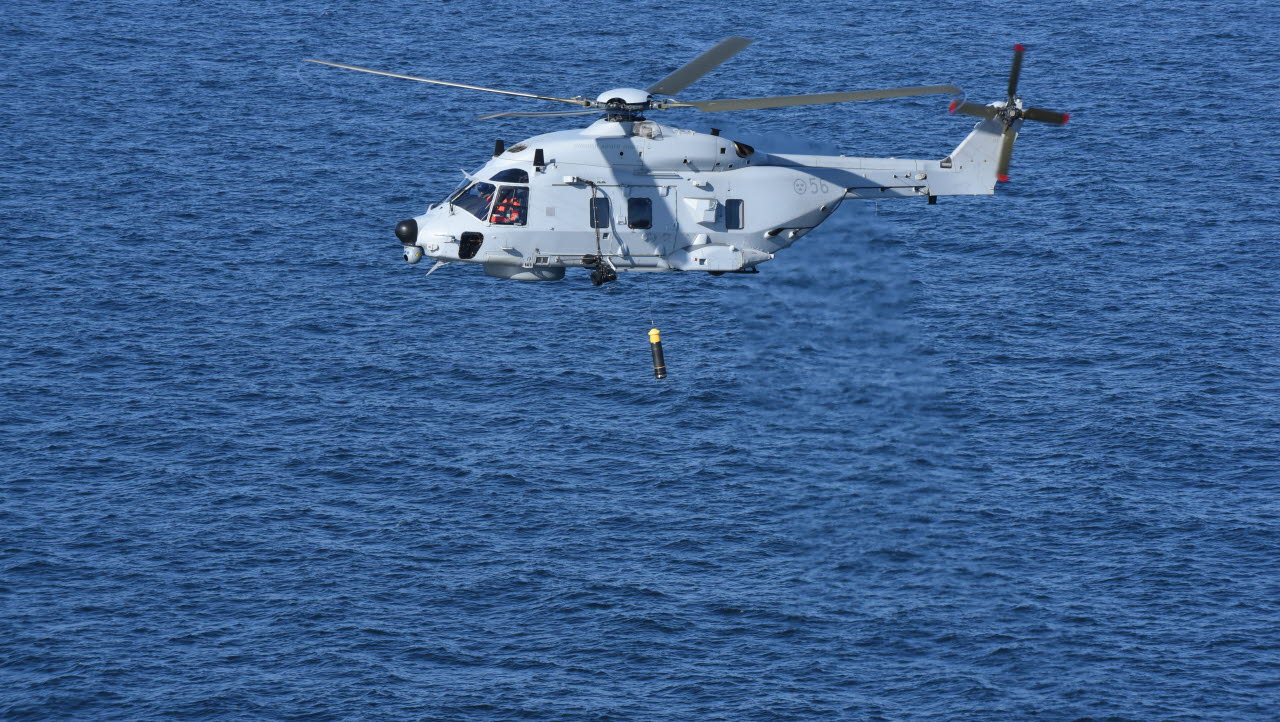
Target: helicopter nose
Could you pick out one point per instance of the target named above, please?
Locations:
(407, 232)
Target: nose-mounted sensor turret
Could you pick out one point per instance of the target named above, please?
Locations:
(407, 232)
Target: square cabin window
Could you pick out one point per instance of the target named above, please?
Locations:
(599, 212)
(639, 213)
(733, 218)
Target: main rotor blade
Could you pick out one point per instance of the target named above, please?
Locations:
(688, 73)
(1015, 71)
(543, 114)
(444, 82)
(783, 101)
(979, 111)
(1006, 154)
(1046, 116)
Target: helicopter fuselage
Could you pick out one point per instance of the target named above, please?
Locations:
(642, 196)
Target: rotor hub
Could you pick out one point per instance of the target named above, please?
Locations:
(624, 104)
(630, 96)
(1012, 111)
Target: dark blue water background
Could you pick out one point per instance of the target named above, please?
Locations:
(993, 458)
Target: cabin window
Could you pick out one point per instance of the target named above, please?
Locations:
(639, 213)
(733, 217)
(511, 175)
(475, 199)
(599, 212)
(512, 206)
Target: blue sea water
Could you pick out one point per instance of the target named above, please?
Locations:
(997, 458)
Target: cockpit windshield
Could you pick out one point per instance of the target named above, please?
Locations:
(475, 199)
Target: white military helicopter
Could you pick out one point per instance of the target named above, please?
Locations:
(630, 194)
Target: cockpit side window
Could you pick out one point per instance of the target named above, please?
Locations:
(511, 175)
(475, 199)
(512, 206)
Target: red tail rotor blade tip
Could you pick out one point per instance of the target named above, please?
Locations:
(1018, 48)
(952, 108)
(1002, 178)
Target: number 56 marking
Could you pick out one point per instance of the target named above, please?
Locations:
(815, 185)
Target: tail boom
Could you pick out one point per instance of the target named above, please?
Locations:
(970, 170)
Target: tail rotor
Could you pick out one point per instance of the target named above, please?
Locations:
(1011, 113)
